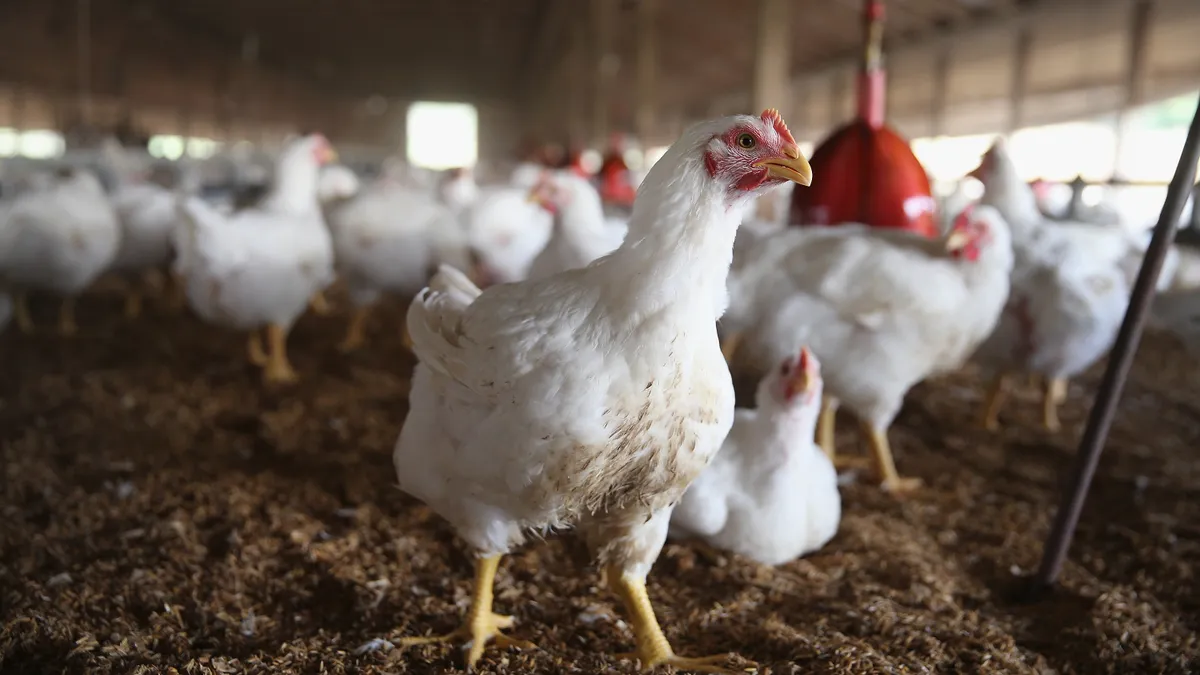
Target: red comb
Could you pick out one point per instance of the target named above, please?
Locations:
(964, 218)
(771, 116)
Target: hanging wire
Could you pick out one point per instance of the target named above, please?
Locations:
(1119, 362)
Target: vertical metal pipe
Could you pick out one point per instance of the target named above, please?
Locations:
(1119, 362)
(872, 78)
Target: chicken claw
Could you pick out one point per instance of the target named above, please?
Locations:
(996, 394)
(482, 625)
(278, 369)
(653, 650)
(21, 312)
(66, 318)
(356, 331)
(885, 464)
(255, 351)
(1055, 394)
(319, 305)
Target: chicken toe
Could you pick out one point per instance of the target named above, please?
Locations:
(319, 305)
(885, 465)
(21, 312)
(356, 335)
(481, 625)
(278, 370)
(66, 318)
(653, 650)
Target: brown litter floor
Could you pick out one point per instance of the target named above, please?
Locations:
(162, 512)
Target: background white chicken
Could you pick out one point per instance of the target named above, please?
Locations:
(771, 493)
(882, 309)
(505, 232)
(260, 267)
(58, 237)
(581, 232)
(591, 398)
(388, 239)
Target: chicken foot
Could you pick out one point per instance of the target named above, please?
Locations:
(133, 303)
(652, 647)
(826, 438)
(319, 305)
(481, 624)
(278, 369)
(254, 349)
(885, 464)
(66, 317)
(1054, 395)
(356, 335)
(21, 312)
(996, 394)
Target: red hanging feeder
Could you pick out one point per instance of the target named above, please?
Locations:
(867, 173)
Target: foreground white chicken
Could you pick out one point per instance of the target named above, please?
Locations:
(882, 309)
(582, 232)
(389, 239)
(57, 237)
(592, 398)
(771, 494)
(260, 266)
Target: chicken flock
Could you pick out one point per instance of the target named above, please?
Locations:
(578, 367)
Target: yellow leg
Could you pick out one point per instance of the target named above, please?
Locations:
(66, 317)
(730, 346)
(133, 303)
(21, 312)
(481, 625)
(653, 650)
(885, 464)
(406, 338)
(356, 335)
(997, 392)
(826, 425)
(254, 349)
(278, 368)
(318, 304)
(1055, 394)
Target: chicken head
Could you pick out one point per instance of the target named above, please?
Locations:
(757, 155)
(968, 235)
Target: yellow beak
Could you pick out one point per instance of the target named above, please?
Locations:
(792, 166)
(957, 240)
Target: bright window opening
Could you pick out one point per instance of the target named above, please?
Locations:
(41, 144)
(442, 135)
(167, 147)
(201, 148)
(9, 140)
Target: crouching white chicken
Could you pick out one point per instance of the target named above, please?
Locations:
(581, 233)
(771, 494)
(260, 266)
(883, 310)
(57, 237)
(592, 398)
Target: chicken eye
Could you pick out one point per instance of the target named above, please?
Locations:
(746, 141)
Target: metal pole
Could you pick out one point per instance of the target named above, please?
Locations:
(1119, 361)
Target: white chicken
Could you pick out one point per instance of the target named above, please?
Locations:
(148, 217)
(1070, 289)
(58, 236)
(582, 232)
(883, 310)
(389, 239)
(592, 398)
(771, 494)
(260, 266)
(459, 189)
(505, 231)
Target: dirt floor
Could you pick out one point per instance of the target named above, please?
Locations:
(163, 512)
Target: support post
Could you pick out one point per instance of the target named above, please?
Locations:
(1137, 46)
(647, 70)
(604, 68)
(1119, 361)
(941, 81)
(1022, 49)
(772, 56)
